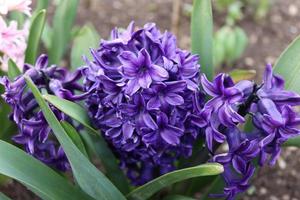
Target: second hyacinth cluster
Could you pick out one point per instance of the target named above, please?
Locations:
(267, 107)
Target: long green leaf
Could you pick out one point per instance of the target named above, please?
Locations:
(288, 66)
(13, 70)
(36, 30)
(86, 38)
(147, 190)
(202, 35)
(72, 109)
(101, 148)
(215, 188)
(3, 197)
(63, 20)
(40, 5)
(43, 180)
(75, 137)
(88, 177)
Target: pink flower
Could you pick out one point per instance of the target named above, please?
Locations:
(15, 5)
(12, 43)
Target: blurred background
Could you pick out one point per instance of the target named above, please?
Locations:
(248, 35)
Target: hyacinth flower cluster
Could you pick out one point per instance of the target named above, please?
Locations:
(270, 108)
(146, 90)
(34, 133)
(12, 38)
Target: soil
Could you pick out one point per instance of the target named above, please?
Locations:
(267, 39)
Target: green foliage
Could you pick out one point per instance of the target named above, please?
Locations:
(63, 20)
(36, 29)
(3, 197)
(88, 177)
(75, 137)
(97, 143)
(202, 35)
(13, 70)
(288, 66)
(86, 38)
(41, 179)
(150, 188)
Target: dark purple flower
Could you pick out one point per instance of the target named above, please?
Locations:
(145, 91)
(140, 71)
(34, 133)
(272, 113)
(226, 96)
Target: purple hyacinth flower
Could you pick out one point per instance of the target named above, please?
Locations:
(145, 91)
(165, 94)
(34, 134)
(226, 97)
(238, 166)
(140, 71)
(273, 88)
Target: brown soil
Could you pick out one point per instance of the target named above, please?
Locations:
(268, 38)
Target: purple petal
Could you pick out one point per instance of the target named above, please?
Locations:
(158, 73)
(149, 121)
(174, 99)
(153, 103)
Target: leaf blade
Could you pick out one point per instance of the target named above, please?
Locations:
(13, 70)
(101, 148)
(75, 137)
(202, 35)
(147, 190)
(36, 30)
(288, 66)
(52, 185)
(86, 38)
(63, 20)
(88, 177)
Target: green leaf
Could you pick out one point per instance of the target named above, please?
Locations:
(13, 70)
(101, 148)
(74, 110)
(36, 30)
(150, 188)
(43, 180)
(40, 5)
(86, 38)
(288, 66)
(47, 36)
(63, 20)
(178, 197)
(88, 177)
(75, 137)
(215, 188)
(242, 74)
(202, 35)
(3, 197)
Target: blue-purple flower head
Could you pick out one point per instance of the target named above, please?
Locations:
(34, 132)
(269, 106)
(146, 90)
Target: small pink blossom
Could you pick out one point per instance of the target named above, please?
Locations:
(12, 43)
(15, 5)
